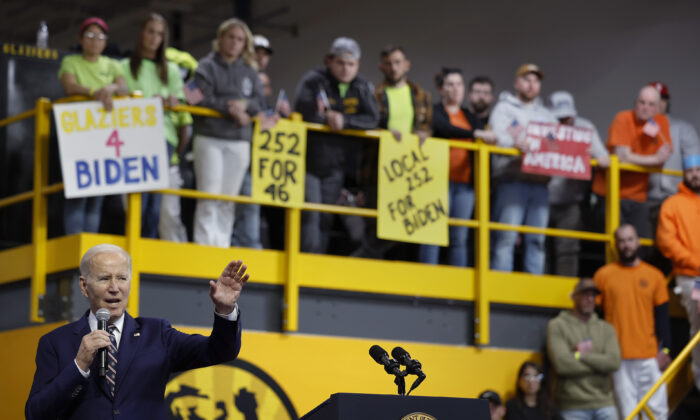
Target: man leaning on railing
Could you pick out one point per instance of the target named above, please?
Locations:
(519, 198)
(640, 136)
(334, 95)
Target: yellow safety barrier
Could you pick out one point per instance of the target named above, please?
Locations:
(668, 374)
(483, 277)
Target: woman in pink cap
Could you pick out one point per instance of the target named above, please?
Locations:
(90, 74)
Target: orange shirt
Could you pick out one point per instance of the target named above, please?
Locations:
(625, 130)
(628, 296)
(677, 235)
(460, 161)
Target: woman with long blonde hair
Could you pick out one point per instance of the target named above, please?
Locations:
(230, 84)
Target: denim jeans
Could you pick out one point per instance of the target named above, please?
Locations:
(150, 208)
(461, 199)
(82, 214)
(603, 413)
(246, 229)
(315, 226)
(518, 203)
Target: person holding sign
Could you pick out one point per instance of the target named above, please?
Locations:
(520, 198)
(452, 120)
(334, 95)
(642, 137)
(404, 107)
(94, 75)
(148, 72)
(230, 84)
(566, 195)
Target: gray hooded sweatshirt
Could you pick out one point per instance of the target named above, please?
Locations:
(511, 116)
(220, 82)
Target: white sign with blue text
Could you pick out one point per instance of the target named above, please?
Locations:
(112, 152)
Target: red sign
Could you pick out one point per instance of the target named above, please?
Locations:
(558, 150)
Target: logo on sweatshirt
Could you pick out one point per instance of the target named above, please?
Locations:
(246, 86)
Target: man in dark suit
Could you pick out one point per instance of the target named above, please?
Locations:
(142, 352)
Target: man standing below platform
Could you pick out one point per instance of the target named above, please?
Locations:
(635, 301)
(677, 238)
(141, 353)
(584, 351)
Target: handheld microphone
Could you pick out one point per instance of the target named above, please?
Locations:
(102, 316)
(380, 356)
(413, 366)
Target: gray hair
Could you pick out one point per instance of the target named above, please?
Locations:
(100, 249)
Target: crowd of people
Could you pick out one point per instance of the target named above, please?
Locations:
(232, 79)
(631, 344)
(602, 367)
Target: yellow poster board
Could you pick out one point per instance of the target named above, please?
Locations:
(412, 201)
(278, 166)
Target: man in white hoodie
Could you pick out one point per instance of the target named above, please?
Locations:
(520, 198)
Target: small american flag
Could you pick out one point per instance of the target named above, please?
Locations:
(695, 294)
(322, 101)
(282, 100)
(514, 129)
(651, 128)
(192, 93)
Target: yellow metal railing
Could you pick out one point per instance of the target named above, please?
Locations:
(483, 275)
(666, 377)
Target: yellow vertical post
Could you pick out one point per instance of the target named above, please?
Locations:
(290, 312)
(612, 206)
(133, 240)
(292, 236)
(42, 128)
(482, 301)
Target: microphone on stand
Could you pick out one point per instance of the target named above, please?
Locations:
(413, 366)
(391, 367)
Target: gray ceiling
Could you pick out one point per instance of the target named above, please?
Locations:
(192, 23)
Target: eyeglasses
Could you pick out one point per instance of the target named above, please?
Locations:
(92, 35)
(534, 378)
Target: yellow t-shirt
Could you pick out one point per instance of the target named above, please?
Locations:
(92, 75)
(400, 108)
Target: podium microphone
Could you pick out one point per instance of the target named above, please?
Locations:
(413, 366)
(102, 316)
(391, 367)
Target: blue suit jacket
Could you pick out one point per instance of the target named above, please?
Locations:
(149, 351)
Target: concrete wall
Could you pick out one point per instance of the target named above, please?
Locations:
(601, 51)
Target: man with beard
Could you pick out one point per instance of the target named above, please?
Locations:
(404, 108)
(678, 240)
(635, 301)
(584, 351)
(520, 198)
(479, 100)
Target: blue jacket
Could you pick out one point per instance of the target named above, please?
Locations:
(149, 351)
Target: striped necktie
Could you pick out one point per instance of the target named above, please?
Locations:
(111, 360)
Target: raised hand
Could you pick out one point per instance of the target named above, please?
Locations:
(225, 291)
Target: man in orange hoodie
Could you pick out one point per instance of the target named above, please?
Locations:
(677, 238)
